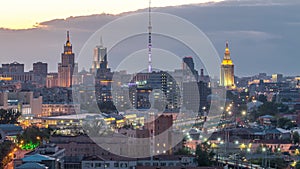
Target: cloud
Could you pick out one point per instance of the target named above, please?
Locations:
(250, 35)
(260, 32)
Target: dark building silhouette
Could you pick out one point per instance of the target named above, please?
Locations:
(189, 66)
(40, 71)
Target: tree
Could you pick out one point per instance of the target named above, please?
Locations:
(204, 155)
(296, 137)
(107, 107)
(9, 116)
(183, 151)
(5, 149)
(297, 165)
(262, 98)
(278, 163)
(268, 108)
(33, 135)
(285, 123)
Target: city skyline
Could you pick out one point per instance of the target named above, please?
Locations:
(150, 84)
(254, 43)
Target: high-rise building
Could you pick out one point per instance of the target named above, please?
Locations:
(67, 67)
(164, 87)
(276, 78)
(189, 67)
(103, 79)
(100, 58)
(188, 63)
(40, 68)
(40, 71)
(227, 70)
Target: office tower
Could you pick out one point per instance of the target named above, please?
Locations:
(276, 78)
(189, 66)
(227, 70)
(40, 71)
(188, 63)
(100, 57)
(164, 87)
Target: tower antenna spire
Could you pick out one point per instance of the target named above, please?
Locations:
(68, 36)
(101, 41)
(150, 41)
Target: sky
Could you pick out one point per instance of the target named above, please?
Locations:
(263, 35)
(16, 14)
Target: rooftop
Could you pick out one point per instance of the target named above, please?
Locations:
(70, 117)
(37, 158)
(32, 166)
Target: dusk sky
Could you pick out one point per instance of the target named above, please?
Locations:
(16, 14)
(263, 35)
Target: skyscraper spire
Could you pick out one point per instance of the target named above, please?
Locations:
(68, 39)
(68, 36)
(227, 52)
(227, 70)
(101, 41)
(150, 41)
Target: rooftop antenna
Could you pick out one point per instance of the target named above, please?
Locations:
(152, 117)
(68, 36)
(101, 41)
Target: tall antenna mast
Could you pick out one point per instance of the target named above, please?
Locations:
(150, 41)
(101, 41)
(152, 117)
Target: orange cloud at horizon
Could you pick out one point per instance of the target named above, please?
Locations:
(16, 14)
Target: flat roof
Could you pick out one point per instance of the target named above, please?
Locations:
(70, 117)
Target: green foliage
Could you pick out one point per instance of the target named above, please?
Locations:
(33, 135)
(278, 163)
(285, 123)
(29, 146)
(273, 162)
(107, 107)
(262, 98)
(183, 151)
(268, 108)
(297, 165)
(204, 155)
(283, 108)
(5, 148)
(296, 137)
(9, 116)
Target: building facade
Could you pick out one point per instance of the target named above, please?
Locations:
(100, 58)
(40, 71)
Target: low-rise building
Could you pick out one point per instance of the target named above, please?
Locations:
(9, 131)
(117, 162)
(59, 109)
(37, 160)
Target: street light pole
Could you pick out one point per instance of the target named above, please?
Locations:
(265, 162)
